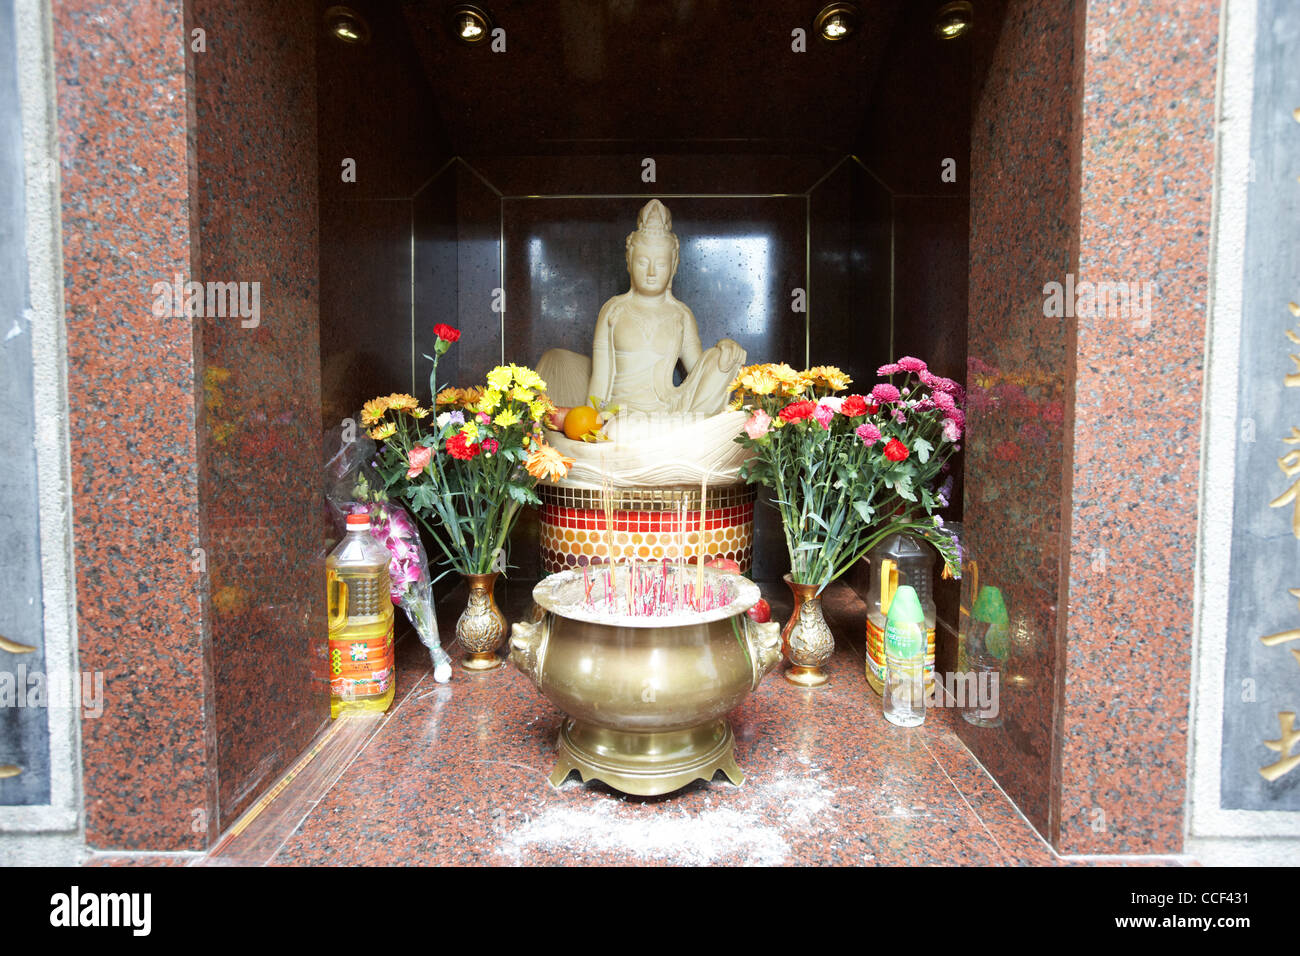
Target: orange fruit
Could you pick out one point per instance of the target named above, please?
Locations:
(579, 421)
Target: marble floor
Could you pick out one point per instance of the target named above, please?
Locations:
(457, 774)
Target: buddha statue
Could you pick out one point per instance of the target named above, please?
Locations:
(663, 433)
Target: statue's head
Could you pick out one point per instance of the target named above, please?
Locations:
(652, 250)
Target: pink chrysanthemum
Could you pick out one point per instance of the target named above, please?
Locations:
(909, 364)
(884, 392)
(868, 432)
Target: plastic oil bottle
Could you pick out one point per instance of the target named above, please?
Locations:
(897, 561)
(361, 660)
(904, 697)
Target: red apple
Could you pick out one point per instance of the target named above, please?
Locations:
(725, 565)
(555, 419)
(761, 612)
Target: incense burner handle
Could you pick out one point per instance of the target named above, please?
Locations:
(764, 642)
(528, 645)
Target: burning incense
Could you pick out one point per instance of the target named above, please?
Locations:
(699, 547)
(648, 594)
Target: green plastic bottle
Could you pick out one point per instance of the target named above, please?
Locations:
(986, 645)
(905, 630)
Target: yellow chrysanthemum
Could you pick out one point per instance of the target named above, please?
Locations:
(784, 373)
(384, 431)
(505, 418)
(373, 410)
(521, 394)
(470, 431)
(490, 401)
(401, 402)
(527, 378)
(737, 403)
(420, 412)
(537, 409)
(449, 396)
(471, 396)
(791, 382)
(828, 376)
(761, 381)
(499, 378)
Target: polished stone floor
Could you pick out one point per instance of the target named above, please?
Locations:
(457, 774)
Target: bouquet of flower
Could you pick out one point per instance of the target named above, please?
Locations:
(846, 472)
(466, 472)
(408, 574)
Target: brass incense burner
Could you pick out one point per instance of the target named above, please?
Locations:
(646, 697)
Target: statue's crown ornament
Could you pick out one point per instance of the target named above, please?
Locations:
(654, 220)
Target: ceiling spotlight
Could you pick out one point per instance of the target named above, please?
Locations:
(346, 25)
(837, 21)
(469, 23)
(953, 20)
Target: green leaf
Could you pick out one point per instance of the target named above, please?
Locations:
(922, 448)
(864, 510)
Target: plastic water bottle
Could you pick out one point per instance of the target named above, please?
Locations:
(904, 697)
(986, 646)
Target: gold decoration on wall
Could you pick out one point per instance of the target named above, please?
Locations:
(1290, 736)
(9, 770)
(13, 647)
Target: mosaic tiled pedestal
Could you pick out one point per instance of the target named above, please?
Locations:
(648, 524)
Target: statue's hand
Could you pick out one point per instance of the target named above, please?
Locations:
(730, 353)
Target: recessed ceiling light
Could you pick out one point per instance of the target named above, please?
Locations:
(346, 25)
(953, 20)
(837, 21)
(470, 24)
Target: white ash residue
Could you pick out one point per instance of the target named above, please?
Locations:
(735, 826)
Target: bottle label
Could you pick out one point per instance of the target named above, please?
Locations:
(361, 666)
(904, 641)
(876, 652)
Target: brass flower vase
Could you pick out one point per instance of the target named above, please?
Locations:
(481, 627)
(806, 639)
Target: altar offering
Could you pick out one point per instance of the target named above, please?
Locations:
(903, 702)
(899, 561)
(360, 622)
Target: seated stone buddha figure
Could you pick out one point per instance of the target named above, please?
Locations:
(663, 433)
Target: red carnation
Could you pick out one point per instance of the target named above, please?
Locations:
(458, 446)
(798, 411)
(895, 450)
(854, 405)
(446, 332)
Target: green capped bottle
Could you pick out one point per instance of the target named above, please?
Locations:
(904, 697)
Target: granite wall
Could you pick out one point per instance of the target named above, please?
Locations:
(134, 404)
(1083, 420)
(260, 452)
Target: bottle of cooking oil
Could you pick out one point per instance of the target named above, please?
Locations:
(362, 672)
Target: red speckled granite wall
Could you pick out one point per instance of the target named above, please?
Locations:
(1147, 173)
(255, 133)
(1084, 429)
(127, 190)
(191, 433)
